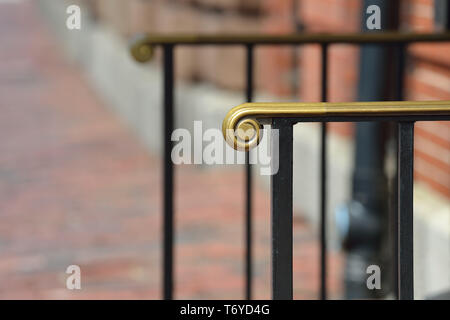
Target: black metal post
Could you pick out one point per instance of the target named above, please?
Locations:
(168, 221)
(281, 188)
(323, 182)
(405, 210)
(399, 96)
(248, 179)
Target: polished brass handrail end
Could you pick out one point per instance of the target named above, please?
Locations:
(241, 131)
(141, 50)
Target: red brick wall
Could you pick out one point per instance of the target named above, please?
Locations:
(428, 66)
(330, 16)
(428, 78)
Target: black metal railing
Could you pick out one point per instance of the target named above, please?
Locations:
(142, 49)
(283, 116)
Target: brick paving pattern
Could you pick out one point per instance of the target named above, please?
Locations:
(76, 187)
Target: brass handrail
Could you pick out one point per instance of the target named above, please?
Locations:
(142, 46)
(247, 116)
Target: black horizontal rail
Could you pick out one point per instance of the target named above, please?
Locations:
(142, 48)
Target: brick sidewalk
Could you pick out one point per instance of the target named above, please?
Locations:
(76, 187)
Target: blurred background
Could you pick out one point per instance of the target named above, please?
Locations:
(80, 154)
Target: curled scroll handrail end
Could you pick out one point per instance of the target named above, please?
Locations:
(240, 130)
(141, 50)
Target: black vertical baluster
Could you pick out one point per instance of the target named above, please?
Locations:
(168, 223)
(248, 179)
(405, 210)
(399, 96)
(281, 189)
(323, 182)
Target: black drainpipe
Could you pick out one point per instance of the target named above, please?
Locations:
(364, 222)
